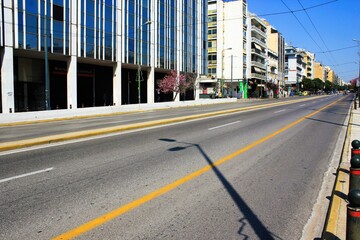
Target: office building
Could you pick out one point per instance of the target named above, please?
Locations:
(64, 54)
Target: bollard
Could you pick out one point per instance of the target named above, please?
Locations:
(355, 148)
(354, 173)
(353, 216)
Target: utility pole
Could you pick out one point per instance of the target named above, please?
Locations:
(358, 81)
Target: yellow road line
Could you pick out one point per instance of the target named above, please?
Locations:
(6, 146)
(142, 200)
(11, 124)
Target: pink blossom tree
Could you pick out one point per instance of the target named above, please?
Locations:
(174, 83)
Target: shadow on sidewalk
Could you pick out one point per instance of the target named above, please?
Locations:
(249, 216)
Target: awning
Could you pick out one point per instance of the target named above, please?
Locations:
(258, 47)
(258, 70)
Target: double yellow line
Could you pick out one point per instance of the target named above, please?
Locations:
(161, 191)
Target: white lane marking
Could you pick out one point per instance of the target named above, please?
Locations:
(280, 111)
(25, 175)
(223, 125)
(302, 105)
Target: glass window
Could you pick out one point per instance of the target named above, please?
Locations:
(31, 23)
(31, 6)
(58, 13)
(31, 41)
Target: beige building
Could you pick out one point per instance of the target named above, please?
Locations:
(309, 59)
(276, 55)
(319, 71)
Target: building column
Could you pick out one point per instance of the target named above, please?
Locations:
(117, 87)
(117, 84)
(72, 61)
(7, 58)
(197, 88)
(72, 83)
(150, 85)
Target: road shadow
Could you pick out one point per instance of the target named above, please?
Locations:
(323, 121)
(328, 236)
(249, 216)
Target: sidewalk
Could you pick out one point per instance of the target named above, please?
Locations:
(335, 225)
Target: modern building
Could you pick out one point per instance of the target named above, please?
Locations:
(226, 48)
(257, 55)
(71, 54)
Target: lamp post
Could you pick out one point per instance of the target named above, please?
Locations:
(358, 81)
(138, 59)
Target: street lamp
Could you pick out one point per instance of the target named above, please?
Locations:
(358, 81)
(138, 58)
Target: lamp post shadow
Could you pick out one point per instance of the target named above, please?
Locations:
(258, 227)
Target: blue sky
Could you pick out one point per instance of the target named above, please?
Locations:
(336, 21)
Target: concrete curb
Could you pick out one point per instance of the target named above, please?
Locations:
(335, 225)
(89, 133)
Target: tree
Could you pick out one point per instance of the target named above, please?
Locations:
(308, 84)
(174, 83)
(318, 84)
(328, 86)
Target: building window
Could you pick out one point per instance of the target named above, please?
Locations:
(58, 12)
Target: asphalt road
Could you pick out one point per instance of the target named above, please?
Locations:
(249, 175)
(41, 129)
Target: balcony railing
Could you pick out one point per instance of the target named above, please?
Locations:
(258, 76)
(263, 44)
(258, 30)
(259, 53)
(258, 64)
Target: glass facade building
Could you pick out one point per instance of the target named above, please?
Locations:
(93, 49)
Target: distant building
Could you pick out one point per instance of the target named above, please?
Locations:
(257, 55)
(319, 71)
(276, 56)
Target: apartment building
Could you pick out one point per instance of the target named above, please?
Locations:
(309, 59)
(276, 57)
(64, 54)
(319, 71)
(226, 48)
(295, 66)
(257, 55)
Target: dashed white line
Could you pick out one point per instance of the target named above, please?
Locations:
(225, 125)
(302, 105)
(26, 174)
(283, 110)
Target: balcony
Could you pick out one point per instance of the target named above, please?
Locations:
(258, 64)
(258, 76)
(259, 53)
(258, 30)
(261, 43)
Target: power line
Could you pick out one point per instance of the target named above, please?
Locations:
(302, 25)
(339, 49)
(317, 31)
(298, 10)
